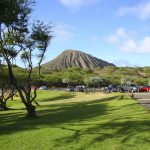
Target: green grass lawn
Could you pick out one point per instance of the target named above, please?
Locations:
(76, 121)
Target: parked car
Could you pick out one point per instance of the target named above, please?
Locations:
(43, 88)
(70, 89)
(110, 88)
(113, 88)
(80, 88)
(144, 89)
(128, 88)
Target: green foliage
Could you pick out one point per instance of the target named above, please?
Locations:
(62, 77)
(4, 78)
(17, 38)
(10, 10)
(78, 76)
(25, 55)
(66, 80)
(146, 70)
(110, 75)
(41, 34)
(114, 74)
(93, 81)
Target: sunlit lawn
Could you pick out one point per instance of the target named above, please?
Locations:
(76, 121)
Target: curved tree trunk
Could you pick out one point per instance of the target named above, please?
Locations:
(30, 110)
(3, 105)
(27, 102)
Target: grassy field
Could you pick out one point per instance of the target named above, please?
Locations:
(76, 121)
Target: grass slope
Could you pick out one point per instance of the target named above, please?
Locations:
(76, 121)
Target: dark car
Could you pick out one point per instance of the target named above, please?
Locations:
(110, 88)
(70, 89)
(113, 88)
(128, 88)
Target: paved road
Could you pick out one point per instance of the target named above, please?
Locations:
(142, 96)
(143, 99)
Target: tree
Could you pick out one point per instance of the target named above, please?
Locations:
(125, 81)
(74, 75)
(66, 81)
(18, 40)
(93, 81)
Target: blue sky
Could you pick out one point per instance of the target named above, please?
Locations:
(117, 31)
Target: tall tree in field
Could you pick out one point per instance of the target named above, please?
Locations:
(18, 40)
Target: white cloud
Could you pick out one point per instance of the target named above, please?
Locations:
(64, 33)
(120, 34)
(125, 41)
(78, 3)
(128, 45)
(144, 45)
(141, 10)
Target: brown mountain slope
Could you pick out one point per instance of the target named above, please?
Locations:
(74, 58)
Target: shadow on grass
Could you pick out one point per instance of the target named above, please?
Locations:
(53, 115)
(122, 131)
(66, 115)
(60, 97)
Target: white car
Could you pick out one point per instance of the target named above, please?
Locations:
(43, 88)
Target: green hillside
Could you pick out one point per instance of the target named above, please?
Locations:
(138, 75)
(112, 75)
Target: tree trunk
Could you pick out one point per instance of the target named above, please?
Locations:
(29, 107)
(3, 105)
(30, 110)
(86, 89)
